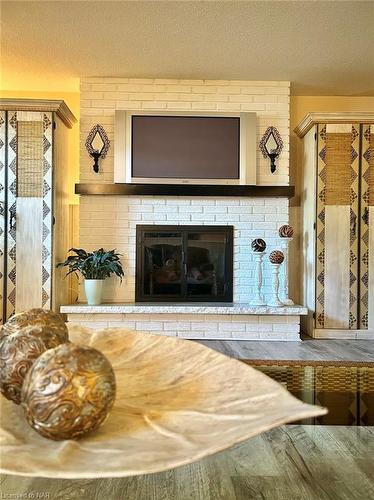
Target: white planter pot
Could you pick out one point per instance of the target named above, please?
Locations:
(94, 291)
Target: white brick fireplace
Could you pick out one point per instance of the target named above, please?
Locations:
(110, 221)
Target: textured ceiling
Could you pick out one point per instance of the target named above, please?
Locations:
(322, 47)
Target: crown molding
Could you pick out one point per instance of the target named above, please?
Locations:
(312, 119)
(57, 106)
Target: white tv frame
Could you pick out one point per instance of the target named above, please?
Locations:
(122, 148)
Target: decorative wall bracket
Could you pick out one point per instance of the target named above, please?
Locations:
(97, 145)
(271, 146)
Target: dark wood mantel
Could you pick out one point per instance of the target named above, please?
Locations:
(184, 190)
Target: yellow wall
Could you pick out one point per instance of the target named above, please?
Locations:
(72, 100)
(301, 105)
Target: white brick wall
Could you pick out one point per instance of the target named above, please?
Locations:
(111, 221)
(100, 97)
(222, 327)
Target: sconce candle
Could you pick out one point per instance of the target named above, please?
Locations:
(97, 145)
(271, 146)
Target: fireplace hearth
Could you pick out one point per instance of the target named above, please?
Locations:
(184, 263)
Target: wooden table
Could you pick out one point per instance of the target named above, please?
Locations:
(287, 463)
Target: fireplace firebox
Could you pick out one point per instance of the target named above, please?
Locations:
(184, 263)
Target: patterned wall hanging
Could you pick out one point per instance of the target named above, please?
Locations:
(320, 227)
(11, 219)
(367, 200)
(47, 211)
(29, 175)
(337, 186)
(354, 229)
(2, 209)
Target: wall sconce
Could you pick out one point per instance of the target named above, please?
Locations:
(97, 145)
(271, 146)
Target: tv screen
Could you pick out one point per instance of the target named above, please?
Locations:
(190, 147)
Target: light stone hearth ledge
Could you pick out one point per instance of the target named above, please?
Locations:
(194, 321)
(174, 308)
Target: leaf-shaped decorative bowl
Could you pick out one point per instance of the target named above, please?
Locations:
(177, 401)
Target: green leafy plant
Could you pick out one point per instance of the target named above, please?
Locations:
(97, 265)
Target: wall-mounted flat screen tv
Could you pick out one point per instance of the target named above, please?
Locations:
(195, 147)
(166, 147)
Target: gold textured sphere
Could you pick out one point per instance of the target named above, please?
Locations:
(276, 257)
(51, 335)
(68, 392)
(40, 317)
(18, 352)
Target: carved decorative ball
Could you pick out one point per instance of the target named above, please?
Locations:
(40, 317)
(18, 352)
(276, 257)
(258, 245)
(286, 231)
(68, 392)
(52, 336)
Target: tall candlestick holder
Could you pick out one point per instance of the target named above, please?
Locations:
(276, 258)
(274, 300)
(258, 298)
(283, 294)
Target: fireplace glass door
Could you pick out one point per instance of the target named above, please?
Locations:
(184, 263)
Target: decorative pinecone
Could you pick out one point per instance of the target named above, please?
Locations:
(276, 257)
(286, 231)
(258, 245)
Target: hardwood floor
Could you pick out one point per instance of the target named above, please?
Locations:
(291, 462)
(311, 349)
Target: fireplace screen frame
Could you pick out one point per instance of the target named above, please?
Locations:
(228, 231)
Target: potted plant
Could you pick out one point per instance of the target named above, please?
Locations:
(95, 267)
